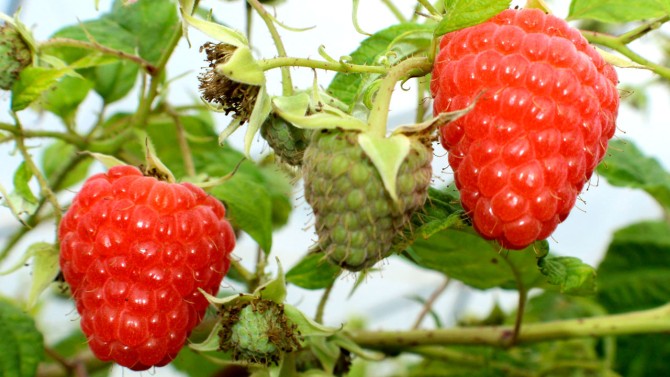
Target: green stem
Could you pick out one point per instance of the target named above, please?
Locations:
(184, 148)
(617, 44)
(27, 134)
(246, 275)
(267, 64)
(287, 83)
(147, 100)
(430, 301)
(429, 7)
(655, 320)
(379, 114)
(521, 306)
(68, 42)
(642, 30)
(454, 357)
(396, 12)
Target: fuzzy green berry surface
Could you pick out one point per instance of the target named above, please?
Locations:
(286, 140)
(356, 218)
(136, 251)
(546, 110)
(14, 56)
(257, 332)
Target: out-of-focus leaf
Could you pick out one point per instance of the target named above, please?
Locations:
(249, 208)
(460, 14)
(52, 163)
(635, 275)
(570, 274)
(64, 99)
(22, 346)
(626, 166)
(313, 272)
(152, 36)
(618, 11)
(403, 39)
(45, 269)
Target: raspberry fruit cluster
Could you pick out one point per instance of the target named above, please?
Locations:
(136, 251)
(546, 105)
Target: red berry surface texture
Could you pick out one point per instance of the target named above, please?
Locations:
(546, 105)
(135, 251)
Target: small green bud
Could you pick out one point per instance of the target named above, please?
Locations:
(257, 332)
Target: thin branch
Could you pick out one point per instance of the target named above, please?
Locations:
(650, 321)
(267, 64)
(616, 44)
(521, 306)
(321, 308)
(430, 301)
(186, 155)
(41, 179)
(287, 83)
(28, 134)
(68, 42)
(394, 9)
(642, 30)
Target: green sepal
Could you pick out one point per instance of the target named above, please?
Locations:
(259, 114)
(45, 269)
(307, 326)
(25, 33)
(387, 154)
(303, 112)
(344, 342)
(212, 29)
(108, 161)
(209, 344)
(242, 67)
(275, 289)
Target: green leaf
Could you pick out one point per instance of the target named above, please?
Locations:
(635, 273)
(554, 306)
(192, 363)
(313, 272)
(152, 36)
(618, 11)
(22, 346)
(463, 255)
(111, 81)
(570, 274)
(280, 190)
(249, 208)
(22, 177)
(626, 166)
(33, 81)
(66, 97)
(460, 14)
(398, 41)
(52, 164)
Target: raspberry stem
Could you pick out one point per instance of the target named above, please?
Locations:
(267, 64)
(656, 320)
(411, 67)
(287, 83)
(618, 44)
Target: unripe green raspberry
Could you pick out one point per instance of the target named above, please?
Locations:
(286, 140)
(258, 332)
(14, 56)
(356, 219)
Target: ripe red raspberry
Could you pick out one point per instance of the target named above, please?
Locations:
(135, 250)
(547, 109)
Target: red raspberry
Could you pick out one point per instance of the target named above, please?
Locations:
(135, 250)
(546, 113)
